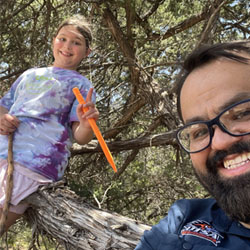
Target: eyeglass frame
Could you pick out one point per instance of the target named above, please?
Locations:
(210, 124)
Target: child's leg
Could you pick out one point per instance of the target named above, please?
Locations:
(11, 219)
(25, 183)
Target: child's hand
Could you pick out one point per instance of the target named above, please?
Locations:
(82, 130)
(8, 124)
(91, 113)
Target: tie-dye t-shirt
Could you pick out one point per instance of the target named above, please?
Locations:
(43, 101)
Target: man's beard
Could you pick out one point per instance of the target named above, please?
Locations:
(232, 194)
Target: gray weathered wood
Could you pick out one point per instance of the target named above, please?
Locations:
(68, 218)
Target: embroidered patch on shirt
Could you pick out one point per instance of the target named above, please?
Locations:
(203, 230)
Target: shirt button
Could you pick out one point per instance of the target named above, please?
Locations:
(187, 246)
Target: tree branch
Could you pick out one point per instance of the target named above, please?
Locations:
(117, 146)
(69, 219)
(210, 24)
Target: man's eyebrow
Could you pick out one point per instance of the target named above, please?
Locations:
(237, 98)
(195, 119)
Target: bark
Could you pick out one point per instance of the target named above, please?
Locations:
(9, 185)
(77, 225)
(162, 139)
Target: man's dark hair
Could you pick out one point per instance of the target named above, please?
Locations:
(208, 53)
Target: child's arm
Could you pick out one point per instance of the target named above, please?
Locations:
(82, 130)
(8, 123)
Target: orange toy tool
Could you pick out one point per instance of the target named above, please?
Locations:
(96, 130)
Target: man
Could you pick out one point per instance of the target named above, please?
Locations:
(214, 104)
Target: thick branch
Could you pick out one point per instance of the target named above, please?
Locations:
(126, 163)
(7, 76)
(211, 22)
(188, 23)
(66, 217)
(119, 36)
(116, 146)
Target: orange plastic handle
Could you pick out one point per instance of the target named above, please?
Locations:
(96, 130)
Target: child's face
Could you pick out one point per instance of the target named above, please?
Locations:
(69, 48)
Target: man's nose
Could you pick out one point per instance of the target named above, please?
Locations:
(221, 140)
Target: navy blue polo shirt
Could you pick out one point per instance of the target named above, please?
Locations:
(197, 224)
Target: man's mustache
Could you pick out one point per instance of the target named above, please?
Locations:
(237, 148)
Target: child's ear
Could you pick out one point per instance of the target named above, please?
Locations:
(88, 51)
(53, 41)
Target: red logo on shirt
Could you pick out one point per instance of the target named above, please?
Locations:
(203, 230)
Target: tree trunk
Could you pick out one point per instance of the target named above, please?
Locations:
(67, 217)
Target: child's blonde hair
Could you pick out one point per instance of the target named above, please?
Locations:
(81, 24)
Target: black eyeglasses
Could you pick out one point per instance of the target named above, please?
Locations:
(234, 120)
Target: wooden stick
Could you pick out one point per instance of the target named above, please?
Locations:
(9, 185)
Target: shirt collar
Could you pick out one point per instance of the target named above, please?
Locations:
(226, 225)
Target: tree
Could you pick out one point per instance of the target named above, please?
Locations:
(63, 215)
(137, 56)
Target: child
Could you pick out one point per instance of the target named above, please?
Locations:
(42, 112)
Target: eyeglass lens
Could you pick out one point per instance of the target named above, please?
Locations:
(235, 121)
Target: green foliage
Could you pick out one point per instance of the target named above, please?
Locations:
(138, 49)
(20, 238)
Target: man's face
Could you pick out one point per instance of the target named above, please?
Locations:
(224, 167)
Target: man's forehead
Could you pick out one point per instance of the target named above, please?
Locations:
(213, 87)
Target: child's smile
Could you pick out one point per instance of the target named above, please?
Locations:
(69, 48)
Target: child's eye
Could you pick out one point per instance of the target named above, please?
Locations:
(77, 43)
(62, 39)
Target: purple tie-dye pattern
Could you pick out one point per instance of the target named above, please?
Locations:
(43, 101)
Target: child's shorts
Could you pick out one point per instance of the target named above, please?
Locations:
(25, 182)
